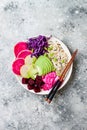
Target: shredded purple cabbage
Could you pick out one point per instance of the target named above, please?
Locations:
(38, 44)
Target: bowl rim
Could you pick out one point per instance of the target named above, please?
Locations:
(68, 75)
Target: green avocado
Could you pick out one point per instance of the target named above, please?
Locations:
(44, 65)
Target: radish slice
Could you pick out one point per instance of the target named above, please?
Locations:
(24, 53)
(24, 70)
(17, 65)
(19, 47)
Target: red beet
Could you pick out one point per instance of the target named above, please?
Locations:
(37, 89)
(31, 82)
(38, 78)
(25, 81)
(30, 87)
(36, 84)
(39, 81)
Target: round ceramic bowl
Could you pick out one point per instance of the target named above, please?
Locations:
(68, 73)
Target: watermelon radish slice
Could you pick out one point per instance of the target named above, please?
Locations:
(19, 47)
(24, 53)
(17, 65)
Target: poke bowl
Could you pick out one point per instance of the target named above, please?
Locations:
(39, 62)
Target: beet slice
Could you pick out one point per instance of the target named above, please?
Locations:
(24, 53)
(17, 65)
(19, 47)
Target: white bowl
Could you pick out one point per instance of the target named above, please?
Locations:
(67, 76)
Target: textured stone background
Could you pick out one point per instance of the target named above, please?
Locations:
(65, 19)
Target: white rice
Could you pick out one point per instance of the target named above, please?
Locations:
(58, 56)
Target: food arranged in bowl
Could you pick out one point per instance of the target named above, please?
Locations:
(39, 62)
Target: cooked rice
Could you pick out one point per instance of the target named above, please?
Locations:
(58, 56)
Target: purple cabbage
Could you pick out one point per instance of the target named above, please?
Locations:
(38, 44)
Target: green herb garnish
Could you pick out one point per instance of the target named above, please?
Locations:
(63, 61)
(51, 55)
(50, 48)
(55, 59)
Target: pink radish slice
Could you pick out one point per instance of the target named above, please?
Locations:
(24, 53)
(17, 65)
(19, 47)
